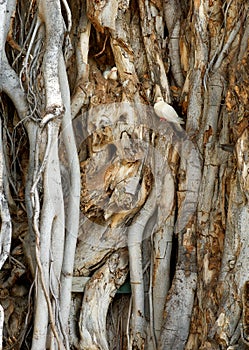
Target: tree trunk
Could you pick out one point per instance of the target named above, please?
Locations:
(120, 230)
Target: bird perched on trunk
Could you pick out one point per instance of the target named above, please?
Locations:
(111, 74)
(165, 112)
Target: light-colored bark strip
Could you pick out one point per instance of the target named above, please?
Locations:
(52, 227)
(200, 58)
(178, 312)
(6, 226)
(135, 237)
(50, 13)
(3, 9)
(180, 300)
(48, 224)
(7, 8)
(73, 199)
(188, 192)
(162, 235)
(172, 15)
(11, 86)
(98, 294)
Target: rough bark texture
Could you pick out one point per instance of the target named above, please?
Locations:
(96, 192)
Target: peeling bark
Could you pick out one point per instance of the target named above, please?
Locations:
(100, 189)
(98, 294)
(173, 14)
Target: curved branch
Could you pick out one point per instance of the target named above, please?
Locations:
(98, 294)
(135, 237)
(11, 86)
(72, 210)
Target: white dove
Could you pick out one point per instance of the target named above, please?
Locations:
(165, 112)
(111, 74)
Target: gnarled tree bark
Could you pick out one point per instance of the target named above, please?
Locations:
(94, 187)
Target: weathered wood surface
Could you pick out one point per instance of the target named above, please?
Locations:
(174, 201)
(129, 179)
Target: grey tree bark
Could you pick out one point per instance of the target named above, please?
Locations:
(97, 194)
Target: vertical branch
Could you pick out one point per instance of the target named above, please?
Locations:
(72, 210)
(6, 230)
(52, 219)
(6, 227)
(3, 10)
(50, 12)
(9, 81)
(172, 14)
(135, 237)
(180, 300)
(45, 236)
(6, 10)
(201, 59)
(162, 246)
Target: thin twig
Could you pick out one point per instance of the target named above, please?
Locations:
(103, 49)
